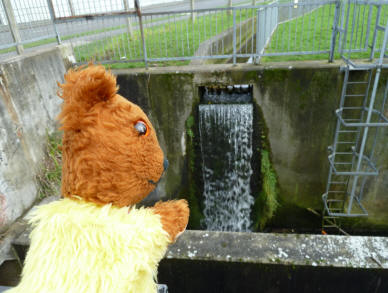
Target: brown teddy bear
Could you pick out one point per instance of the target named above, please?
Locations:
(95, 239)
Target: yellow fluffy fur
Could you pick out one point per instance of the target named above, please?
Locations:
(82, 247)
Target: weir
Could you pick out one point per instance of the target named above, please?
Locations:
(226, 149)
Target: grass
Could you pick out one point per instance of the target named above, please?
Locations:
(313, 30)
(180, 38)
(50, 173)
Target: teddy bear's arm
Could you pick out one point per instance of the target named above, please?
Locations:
(174, 216)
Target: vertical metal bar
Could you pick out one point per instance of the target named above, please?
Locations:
(345, 33)
(357, 24)
(138, 11)
(199, 30)
(71, 7)
(314, 30)
(192, 6)
(362, 26)
(240, 27)
(166, 33)
(321, 26)
(342, 32)
(289, 28)
(296, 29)
(176, 36)
(12, 25)
(309, 24)
(368, 26)
(187, 38)
(222, 29)
(52, 16)
(374, 140)
(253, 29)
(234, 37)
(230, 5)
(363, 142)
(127, 19)
(217, 32)
(302, 30)
(204, 26)
(257, 58)
(264, 29)
(372, 53)
(352, 33)
(182, 38)
(160, 39)
(335, 31)
(210, 32)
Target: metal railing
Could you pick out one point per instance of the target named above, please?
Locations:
(116, 34)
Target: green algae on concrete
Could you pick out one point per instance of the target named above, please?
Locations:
(193, 189)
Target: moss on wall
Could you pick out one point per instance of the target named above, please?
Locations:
(193, 187)
(264, 182)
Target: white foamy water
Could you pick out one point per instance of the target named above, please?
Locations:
(226, 147)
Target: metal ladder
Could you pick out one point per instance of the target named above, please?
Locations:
(355, 92)
(351, 154)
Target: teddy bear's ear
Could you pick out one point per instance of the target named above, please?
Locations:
(82, 89)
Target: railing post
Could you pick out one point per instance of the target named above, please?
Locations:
(137, 8)
(230, 5)
(192, 13)
(373, 46)
(71, 6)
(128, 19)
(335, 30)
(52, 16)
(257, 59)
(13, 26)
(234, 37)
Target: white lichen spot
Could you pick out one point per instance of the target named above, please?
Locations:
(281, 253)
(191, 254)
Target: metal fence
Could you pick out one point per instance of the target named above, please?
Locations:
(113, 32)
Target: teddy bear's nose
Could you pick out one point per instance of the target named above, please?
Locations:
(165, 164)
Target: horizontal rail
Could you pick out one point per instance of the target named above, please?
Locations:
(189, 11)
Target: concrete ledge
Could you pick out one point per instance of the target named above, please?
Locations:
(209, 68)
(266, 248)
(287, 249)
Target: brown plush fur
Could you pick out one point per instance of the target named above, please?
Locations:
(105, 160)
(174, 215)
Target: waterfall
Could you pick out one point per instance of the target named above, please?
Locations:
(226, 147)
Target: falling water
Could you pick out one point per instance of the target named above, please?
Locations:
(226, 147)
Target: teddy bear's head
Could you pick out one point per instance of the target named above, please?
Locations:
(110, 150)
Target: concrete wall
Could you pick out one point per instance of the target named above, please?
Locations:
(28, 107)
(297, 100)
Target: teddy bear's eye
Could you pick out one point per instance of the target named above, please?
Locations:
(141, 127)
